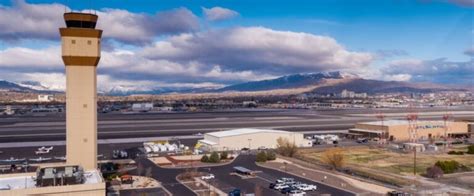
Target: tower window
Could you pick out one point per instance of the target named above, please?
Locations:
(73, 41)
(89, 42)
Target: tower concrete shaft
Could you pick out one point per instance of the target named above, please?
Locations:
(81, 54)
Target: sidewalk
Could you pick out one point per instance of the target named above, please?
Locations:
(353, 185)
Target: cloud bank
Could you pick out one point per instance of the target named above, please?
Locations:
(41, 21)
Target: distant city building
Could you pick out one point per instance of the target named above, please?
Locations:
(249, 104)
(142, 107)
(238, 139)
(45, 98)
(351, 94)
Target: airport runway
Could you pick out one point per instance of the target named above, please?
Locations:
(117, 125)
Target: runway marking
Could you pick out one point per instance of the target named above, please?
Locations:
(197, 130)
(230, 121)
(100, 141)
(197, 124)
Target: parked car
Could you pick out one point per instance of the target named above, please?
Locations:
(307, 187)
(398, 193)
(285, 180)
(235, 192)
(208, 177)
(271, 186)
(120, 154)
(287, 190)
(280, 186)
(297, 193)
(362, 140)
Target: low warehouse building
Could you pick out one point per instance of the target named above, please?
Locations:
(398, 130)
(238, 139)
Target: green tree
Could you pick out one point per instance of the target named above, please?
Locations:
(286, 148)
(261, 156)
(271, 156)
(205, 158)
(448, 166)
(214, 158)
(224, 155)
(470, 149)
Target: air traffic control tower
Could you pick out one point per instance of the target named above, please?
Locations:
(81, 54)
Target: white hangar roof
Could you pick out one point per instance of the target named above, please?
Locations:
(235, 132)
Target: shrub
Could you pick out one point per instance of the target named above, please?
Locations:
(470, 149)
(214, 158)
(434, 172)
(286, 148)
(205, 158)
(224, 155)
(271, 156)
(261, 156)
(452, 152)
(448, 166)
(334, 158)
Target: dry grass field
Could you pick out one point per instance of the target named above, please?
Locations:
(390, 161)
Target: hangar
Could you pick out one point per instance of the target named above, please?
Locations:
(399, 130)
(237, 139)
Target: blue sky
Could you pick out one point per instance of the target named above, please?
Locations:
(378, 39)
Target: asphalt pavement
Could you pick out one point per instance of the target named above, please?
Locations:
(51, 127)
(222, 173)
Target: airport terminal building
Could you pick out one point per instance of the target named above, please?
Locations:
(238, 139)
(399, 130)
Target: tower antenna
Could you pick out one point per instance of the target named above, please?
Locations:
(412, 117)
(381, 116)
(446, 117)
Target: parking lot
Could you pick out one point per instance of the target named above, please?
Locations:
(225, 181)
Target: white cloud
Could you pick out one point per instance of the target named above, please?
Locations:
(437, 70)
(259, 49)
(469, 52)
(41, 21)
(218, 57)
(30, 20)
(142, 28)
(219, 13)
(18, 57)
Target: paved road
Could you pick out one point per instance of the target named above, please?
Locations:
(222, 173)
(52, 127)
(144, 192)
(166, 176)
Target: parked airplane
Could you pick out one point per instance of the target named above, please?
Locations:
(41, 152)
(63, 158)
(40, 159)
(45, 148)
(11, 160)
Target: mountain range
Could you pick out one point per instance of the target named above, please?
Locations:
(318, 83)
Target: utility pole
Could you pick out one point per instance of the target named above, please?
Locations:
(412, 117)
(381, 117)
(446, 117)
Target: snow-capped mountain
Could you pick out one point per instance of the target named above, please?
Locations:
(33, 85)
(289, 81)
